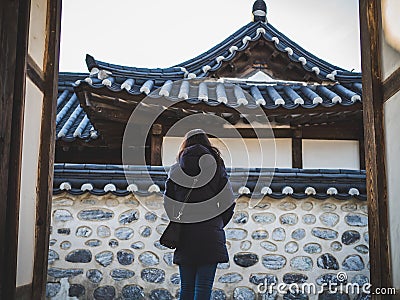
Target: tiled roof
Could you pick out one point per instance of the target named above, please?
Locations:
(250, 94)
(211, 60)
(320, 184)
(72, 122)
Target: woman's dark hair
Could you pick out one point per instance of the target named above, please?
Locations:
(199, 137)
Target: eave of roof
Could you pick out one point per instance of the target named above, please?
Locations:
(77, 179)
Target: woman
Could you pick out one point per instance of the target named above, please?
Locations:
(202, 242)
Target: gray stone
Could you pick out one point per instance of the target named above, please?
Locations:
(348, 207)
(298, 234)
(88, 201)
(264, 218)
(289, 219)
(121, 274)
(364, 208)
(160, 294)
(103, 231)
(243, 293)
(223, 266)
(259, 235)
(287, 205)
(145, 231)
(132, 292)
(269, 246)
(361, 249)
(218, 294)
(363, 296)
(62, 215)
(113, 243)
(76, 290)
(52, 289)
(79, 256)
(312, 248)
(106, 292)
(149, 259)
(336, 296)
(83, 231)
(65, 245)
(273, 262)
(175, 279)
(269, 295)
(95, 215)
(328, 262)
(290, 278)
(329, 219)
(93, 243)
(261, 205)
(151, 217)
(245, 245)
(295, 296)
(245, 259)
(301, 263)
(235, 234)
(124, 233)
(137, 245)
(94, 275)
(104, 258)
(336, 246)
(64, 231)
(263, 278)
(307, 206)
(52, 257)
(279, 234)
(159, 246)
(324, 233)
(164, 218)
(329, 278)
(160, 228)
(131, 202)
(240, 217)
(291, 247)
(64, 273)
(366, 237)
(353, 263)
(350, 237)
(52, 242)
(230, 278)
(357, 220)
(153, 275)
(360, 280)
(328, 207)
(125, 257)
(168, 258)
(309, 219)
(128, 216)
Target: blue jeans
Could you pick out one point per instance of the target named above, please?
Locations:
(196, 281)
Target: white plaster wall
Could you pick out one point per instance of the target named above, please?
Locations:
(29, 173)
(331, 154)
(240, 152)
(392, 129)
(37, 31)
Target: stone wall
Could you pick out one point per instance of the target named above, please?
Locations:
(106, 247)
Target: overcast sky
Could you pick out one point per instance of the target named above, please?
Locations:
(162, 33)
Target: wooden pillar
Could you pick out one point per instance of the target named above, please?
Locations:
(156, 144)
(371, 59)
(297, 149)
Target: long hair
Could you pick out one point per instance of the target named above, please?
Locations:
(199, 137)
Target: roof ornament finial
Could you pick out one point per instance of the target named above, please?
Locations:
(260, 11)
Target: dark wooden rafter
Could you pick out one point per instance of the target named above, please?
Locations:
(391, 85)
(371, 58)
(156, 140)
(47, 147)
(13, 51)
(35, 73)
(297, 149)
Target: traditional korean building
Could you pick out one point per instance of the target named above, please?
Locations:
(310, 221)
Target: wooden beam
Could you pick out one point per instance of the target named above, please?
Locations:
(13, 51)
(156, 144)
(391, 85)
(47, 145)
(371, 58)
(297, 149)
(35, 73)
